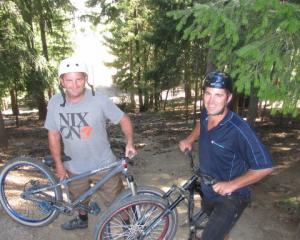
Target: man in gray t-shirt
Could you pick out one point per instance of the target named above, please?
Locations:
(78, 117)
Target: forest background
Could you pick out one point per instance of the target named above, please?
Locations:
(158, 46)
(161, 49)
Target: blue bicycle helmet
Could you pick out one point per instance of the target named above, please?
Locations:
(218, 80)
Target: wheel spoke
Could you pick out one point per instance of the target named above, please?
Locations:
(19, 180)
(131, 220)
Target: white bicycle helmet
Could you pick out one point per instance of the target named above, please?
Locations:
(68, 65)
(72, 64)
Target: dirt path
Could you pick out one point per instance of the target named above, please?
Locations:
(160, 164)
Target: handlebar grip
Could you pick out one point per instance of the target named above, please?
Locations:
(189, 153)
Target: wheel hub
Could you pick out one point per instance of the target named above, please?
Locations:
(135, 232)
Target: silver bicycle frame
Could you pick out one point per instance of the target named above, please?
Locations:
(115, 168)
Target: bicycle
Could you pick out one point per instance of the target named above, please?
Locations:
(31, 194)
(148, 217)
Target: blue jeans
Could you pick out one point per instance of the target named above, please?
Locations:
(222, 216)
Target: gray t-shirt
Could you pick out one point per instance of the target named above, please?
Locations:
(83, 129)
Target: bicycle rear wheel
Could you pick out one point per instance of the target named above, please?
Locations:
(133, 218)
(20, 176)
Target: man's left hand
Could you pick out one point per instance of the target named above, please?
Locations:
(223, 188)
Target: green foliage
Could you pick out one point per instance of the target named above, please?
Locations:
(33, 37)
(13, 53)
(149, 52)
(256, 41)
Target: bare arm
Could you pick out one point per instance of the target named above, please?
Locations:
(55, 149)
(188, 142)
(252, 176)
(127, 130)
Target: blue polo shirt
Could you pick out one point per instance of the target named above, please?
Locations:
(229, 150)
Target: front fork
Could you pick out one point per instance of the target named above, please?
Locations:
(131, 184)
(194, 218)
(191, 206)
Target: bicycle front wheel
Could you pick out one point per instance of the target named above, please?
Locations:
(24, 175)
(136, 217)
(149, 191)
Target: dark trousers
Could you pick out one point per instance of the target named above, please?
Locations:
(222, 216)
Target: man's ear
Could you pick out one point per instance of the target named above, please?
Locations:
(61, 82)
(229, 98)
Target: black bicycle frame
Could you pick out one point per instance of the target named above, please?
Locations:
(191, 186)
(188, 186)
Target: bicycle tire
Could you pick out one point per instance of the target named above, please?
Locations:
(141, 190)
(24, 173)
(148, 191)
(140, 211)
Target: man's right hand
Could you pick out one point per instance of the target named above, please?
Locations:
(61, 171)
(184, 145)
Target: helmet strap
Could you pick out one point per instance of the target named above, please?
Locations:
(92, 87)
(63, 95)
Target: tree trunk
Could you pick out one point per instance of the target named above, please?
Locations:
(200, 68)
(187, 85)
(146, 81)
(151, 100)
(140, 94)
(235, 103)
(156, 90)
(3, 135)
(39, 91)
(166, 99)
(138, 64)
(42, 106)
(14, 105)
(146, 101)
(210, 66)
(132, 100)
(252, 108)
(14, 102)
(156, 96)
(43, 37)
(50, 91)
(138, 77)
(263, 112)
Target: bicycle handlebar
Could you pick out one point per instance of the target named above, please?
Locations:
(206, 179)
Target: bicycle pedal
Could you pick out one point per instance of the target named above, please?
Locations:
(94, 208)
(45, 207)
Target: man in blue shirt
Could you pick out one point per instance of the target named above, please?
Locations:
(230, 152)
